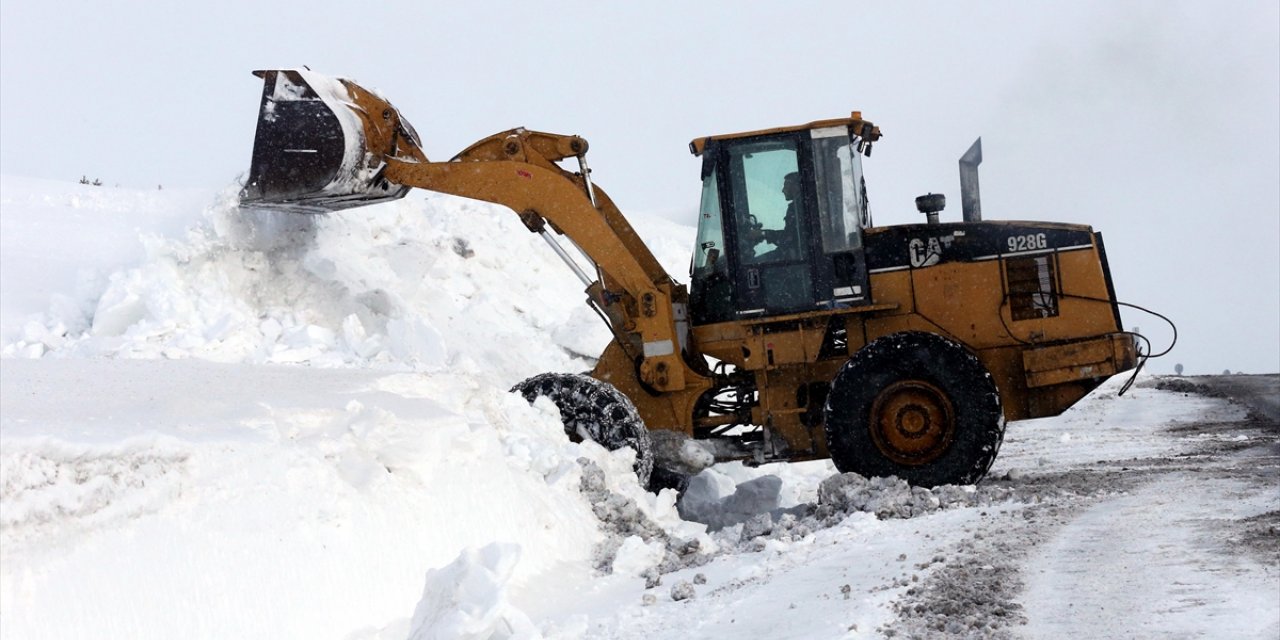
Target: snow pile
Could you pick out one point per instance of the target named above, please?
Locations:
(342, 508)
(756, 501)
(217, 489)
(749, 517)
(893, 498)
(59, 241)
(642, 540)
(430, 285)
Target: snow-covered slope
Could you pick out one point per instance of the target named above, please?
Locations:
(310, 414)
(381, 285)
(59, 241)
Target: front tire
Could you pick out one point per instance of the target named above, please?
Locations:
(917, 406)
(596, 411)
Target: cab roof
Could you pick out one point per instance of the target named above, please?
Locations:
(864, 128)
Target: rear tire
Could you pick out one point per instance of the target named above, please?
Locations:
(596, 411)
(917, 406)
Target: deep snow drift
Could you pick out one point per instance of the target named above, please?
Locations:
(244, 498)
(218, 424)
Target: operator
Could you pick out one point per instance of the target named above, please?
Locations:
(786, 239)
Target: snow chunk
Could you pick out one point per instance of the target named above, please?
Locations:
(892, 497)
(702, 503)
(467, 600)
(635, 556)
(683, 591)
(650, 520)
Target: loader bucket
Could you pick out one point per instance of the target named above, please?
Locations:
(318, 149)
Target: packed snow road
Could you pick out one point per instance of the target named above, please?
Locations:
(1192, 548)
(1260, 393)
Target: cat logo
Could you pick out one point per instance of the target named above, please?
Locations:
(925, 252)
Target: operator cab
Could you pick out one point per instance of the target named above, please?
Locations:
(781, 220)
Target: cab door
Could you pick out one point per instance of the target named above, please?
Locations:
(840, 198)
(771, 232)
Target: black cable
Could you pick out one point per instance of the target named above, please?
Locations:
(1148, 311)
(1142, 360)
(1142, 357)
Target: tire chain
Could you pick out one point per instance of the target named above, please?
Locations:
(594, 410)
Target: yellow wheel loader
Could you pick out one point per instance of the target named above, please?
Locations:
(806, 331)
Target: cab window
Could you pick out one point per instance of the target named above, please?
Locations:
(767, 203)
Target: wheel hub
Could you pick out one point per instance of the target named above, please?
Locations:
(912, 422)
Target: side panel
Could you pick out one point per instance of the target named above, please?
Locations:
(963, 280)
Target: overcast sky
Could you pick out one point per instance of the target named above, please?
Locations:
(1155, 122)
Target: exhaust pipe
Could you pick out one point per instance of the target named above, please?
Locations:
(970, 198)
(321, 145)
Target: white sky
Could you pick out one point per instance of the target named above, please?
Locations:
(1156, 122)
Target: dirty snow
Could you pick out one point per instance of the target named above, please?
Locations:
(218, 424)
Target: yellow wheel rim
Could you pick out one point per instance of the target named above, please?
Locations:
(912, 422)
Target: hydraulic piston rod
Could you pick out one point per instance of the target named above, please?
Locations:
(564, 255)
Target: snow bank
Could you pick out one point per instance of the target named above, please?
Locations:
(59, 241)
(379, 286)
(167, 469)
(286, 520)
